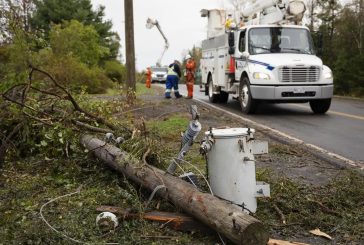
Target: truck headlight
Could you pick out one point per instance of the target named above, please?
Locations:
(328, 75)
(261, 75)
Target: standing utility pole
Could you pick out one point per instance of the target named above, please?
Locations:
(130, 49)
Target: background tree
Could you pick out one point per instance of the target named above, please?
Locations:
(311, 13)
(14, 13)
(329, 14)
(48, 12)
(78, 40)
(348, 47)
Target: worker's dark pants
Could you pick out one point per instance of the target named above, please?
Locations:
(172, 82)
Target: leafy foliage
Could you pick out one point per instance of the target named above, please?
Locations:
(77, 40)
(343, 36)
(49, 12)
(115, 71)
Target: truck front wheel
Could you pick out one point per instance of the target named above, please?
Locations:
(320, 106)
(247, 103)
(214, 98)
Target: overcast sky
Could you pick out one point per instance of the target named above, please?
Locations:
(180, 21)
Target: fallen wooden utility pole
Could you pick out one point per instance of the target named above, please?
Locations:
(218, 214)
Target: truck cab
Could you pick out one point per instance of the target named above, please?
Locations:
(270, 57)
(278, 64)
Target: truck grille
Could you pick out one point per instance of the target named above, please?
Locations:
(299, 74)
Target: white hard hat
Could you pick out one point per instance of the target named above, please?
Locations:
(188, 57)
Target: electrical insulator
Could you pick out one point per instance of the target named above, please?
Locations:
(191, 133)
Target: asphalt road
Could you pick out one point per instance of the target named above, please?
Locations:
(340, 130)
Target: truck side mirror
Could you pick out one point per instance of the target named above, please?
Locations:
(231, 39)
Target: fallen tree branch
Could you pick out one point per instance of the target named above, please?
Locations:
(324, 208)
(91, 128)
(145, 156)
(24, 105)
(72, 100)
(281, 242)
(46, 92)
(43, 121)
(160, 237)
(218, 214)
(280, 213)
(176, 221)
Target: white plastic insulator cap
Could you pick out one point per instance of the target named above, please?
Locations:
(108, 217)
(109, 136)
(119, 140)
(296, 7)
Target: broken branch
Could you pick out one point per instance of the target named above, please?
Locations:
(280, 213)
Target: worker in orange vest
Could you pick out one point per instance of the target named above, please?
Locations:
(190, 75)
(148, 79)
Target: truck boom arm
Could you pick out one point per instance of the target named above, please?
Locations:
(150, 24)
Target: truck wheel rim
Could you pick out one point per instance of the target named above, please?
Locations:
(245, 96)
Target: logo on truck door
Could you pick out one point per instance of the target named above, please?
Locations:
(241, 62)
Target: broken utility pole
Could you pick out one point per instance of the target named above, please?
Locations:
(220, 215)
(130, 49)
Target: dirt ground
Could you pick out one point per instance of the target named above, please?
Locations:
(290, 165)
(306, 192)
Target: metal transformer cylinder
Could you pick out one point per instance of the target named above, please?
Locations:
(231, 166)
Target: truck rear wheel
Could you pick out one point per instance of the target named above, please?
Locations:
(247, 103)
(214, 98)
(320, 106)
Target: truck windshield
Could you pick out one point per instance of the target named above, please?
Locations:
(265, 40)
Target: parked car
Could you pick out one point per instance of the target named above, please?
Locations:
(159, 74)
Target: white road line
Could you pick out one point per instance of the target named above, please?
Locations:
(296, 140)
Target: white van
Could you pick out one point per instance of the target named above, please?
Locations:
(159, 74)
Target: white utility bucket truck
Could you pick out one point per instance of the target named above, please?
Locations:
(266, 56)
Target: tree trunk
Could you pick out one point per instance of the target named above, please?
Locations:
(219, 215)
